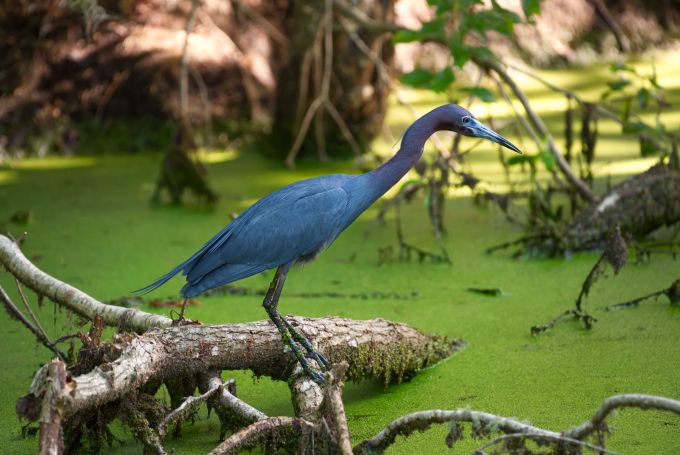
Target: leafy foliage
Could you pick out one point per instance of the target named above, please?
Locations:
(463, 25)
(634, 93)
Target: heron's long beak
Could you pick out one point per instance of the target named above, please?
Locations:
(481, 130)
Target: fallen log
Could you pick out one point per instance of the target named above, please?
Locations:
(374, 348)
(639, 205)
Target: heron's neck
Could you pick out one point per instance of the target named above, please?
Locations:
(388, 174)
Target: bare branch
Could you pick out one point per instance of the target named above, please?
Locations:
(323, 99)
(337, 408)
(27, 305)
(366, 22)
(235, 404)
(421, 421)
(188, 406)
(51, 414)
(40, 335)
(540, 437)
(538, 124)
(263, 23)
(259, 430)
(622, 401)
(256, 346)
(72, 298)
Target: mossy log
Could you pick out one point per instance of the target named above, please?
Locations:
(373, 348)
(639, 206)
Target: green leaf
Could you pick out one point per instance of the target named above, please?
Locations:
(520, 159)
(465, 4)
(407, 36)
(434, 28)
(548, 160)
(506, 14)
(411, 182)
(441, 4)
(618, 85)
(492, 20)
(648, 146)
(626, 109)
(482, 93)
(634, 127)
(621, 67)
(531, 7)
(442, 80)
(459, 51)
(417, 78)
(642, 97)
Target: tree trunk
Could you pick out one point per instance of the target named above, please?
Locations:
(357, 89)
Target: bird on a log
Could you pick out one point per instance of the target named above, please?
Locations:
(294, 224)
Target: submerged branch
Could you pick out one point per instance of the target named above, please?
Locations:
(631, 400)
(484, 423)
(423, 420)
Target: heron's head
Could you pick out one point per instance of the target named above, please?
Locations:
(459, 120)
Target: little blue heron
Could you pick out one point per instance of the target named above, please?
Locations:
(295, 223)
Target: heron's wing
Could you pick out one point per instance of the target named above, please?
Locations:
(276, 230)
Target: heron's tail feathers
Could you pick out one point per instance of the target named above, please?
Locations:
(161, 281)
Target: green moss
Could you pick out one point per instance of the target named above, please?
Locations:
(93, 227)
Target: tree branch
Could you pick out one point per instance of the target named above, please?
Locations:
(188, 406)
(234, 404)
(538, 124)
(40, 335)
(337, 409)
(72, 298)
(484, 422)
(631, 400)
(258, 431)
(421, 421)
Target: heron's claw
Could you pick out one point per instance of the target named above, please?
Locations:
(320, 359)
(304, 364)
(311, 352)
(317, 377)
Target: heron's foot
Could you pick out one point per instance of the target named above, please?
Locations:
(178, 319)
(311, 352)
(306, 367)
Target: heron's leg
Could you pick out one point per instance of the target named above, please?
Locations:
(181, 312)
(270, 303)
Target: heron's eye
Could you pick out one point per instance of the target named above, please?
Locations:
(466, 120)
